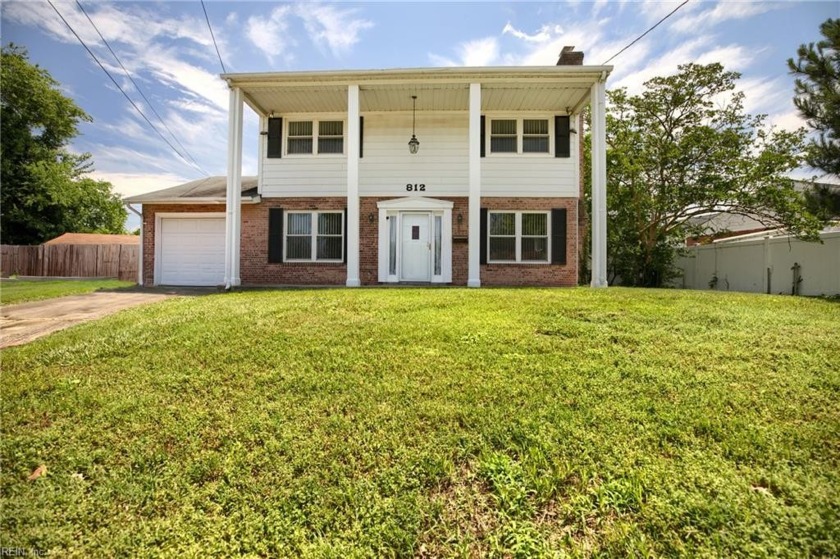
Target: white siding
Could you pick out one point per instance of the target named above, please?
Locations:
(441, 163)
(523, 175)
(305, 175)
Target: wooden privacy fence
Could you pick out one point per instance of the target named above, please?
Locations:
(76, 261)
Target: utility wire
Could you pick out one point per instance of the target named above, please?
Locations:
(133, 104)
(137, 87)
(210, 27)
(640, 37)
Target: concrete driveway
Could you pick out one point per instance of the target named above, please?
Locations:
(25, 322)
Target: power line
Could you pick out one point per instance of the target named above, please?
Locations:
(210, 27)
(133, 104)
(640, 37)
(137, 87)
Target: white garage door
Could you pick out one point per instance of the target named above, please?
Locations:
(192, 251)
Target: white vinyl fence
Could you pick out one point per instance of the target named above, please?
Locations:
(764, 264)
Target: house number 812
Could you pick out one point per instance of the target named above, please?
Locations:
(415, 187)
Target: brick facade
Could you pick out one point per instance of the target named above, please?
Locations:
(536, 274)
(254, 267)
(256, 270)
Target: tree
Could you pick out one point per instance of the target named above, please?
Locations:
(682, 148)
(45, 191)
(823, 200)
(817, 89)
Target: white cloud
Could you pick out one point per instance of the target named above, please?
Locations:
(271, 35)
(767, 95)
(131, 184)
(789, 120)
(733, 57)
(541, 36)
(331, 27)
(663, 65)
(480, 52)
(687, 22)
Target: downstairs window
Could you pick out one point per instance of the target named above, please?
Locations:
(314, 236)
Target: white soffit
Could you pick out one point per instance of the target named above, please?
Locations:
(443, 89)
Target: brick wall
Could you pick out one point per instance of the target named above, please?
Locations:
(254, 267)
(536, 274)
(256, 270)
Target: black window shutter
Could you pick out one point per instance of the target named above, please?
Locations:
(562, 142)
(482, 245)
(558, 236)
(275, 138)
(275, 235)
(482, 136)
(345, 236)
(361, 137)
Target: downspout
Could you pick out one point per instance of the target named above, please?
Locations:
(139, 256)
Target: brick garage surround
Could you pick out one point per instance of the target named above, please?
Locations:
(149, 213)
(256, 270)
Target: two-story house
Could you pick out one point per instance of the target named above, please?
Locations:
(462, 176)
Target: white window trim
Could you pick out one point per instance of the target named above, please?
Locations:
(520, 130)
(287, 121)
(518, 236)
(314, 236)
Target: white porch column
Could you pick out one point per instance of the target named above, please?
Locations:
(474, 213)
(599, 185)
(233, 199)
(353, 186)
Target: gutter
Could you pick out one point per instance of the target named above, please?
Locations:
(187, 201)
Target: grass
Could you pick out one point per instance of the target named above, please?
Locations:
(14, 291)
(430, 423)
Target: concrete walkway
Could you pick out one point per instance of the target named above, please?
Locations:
(25, 322)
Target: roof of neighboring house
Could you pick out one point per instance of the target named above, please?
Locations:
(206, 190)
(717, 222)
(94, 239)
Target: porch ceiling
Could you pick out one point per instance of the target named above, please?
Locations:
(550, 89)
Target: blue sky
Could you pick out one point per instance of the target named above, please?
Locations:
(167, 48)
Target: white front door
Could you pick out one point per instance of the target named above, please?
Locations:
(416, 247)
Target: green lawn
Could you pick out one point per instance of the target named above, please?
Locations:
(430, 423)
(19, 291)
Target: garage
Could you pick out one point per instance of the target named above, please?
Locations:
(191, 250)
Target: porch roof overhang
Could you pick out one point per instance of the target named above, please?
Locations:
(556, 89)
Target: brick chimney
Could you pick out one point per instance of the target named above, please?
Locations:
(570, 57)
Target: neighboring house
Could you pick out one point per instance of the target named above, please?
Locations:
(721, 225)
(94, 239)
(491, 197)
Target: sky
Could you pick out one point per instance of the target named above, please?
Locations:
(168, 51)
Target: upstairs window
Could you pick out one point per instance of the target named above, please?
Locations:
(312, 136)
(331, 136)
(503, 137)
(512, 135)
(535, 136)
(300, 137)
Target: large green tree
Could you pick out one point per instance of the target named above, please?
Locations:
(685, 147)
(817, 89)
(45, 189)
